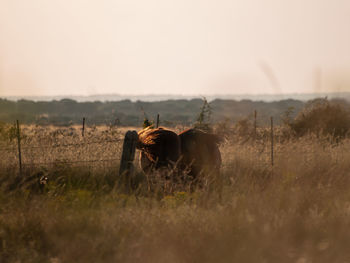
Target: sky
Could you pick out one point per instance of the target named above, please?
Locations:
(88, 47)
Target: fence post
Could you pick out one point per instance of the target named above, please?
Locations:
(82, 131)
(272, 141)
(19, 148)
(126, 168)
(157, 121)
(255, 124)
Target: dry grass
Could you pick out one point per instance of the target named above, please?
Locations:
(297, 211)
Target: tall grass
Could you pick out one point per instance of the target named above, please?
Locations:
(296, 211)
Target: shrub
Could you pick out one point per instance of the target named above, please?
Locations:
(224, 128)
(7, 132)
(244, 127)
(322, 117)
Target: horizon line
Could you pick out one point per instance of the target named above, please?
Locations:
(180, 94)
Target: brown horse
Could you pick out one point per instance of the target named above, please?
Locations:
(159, 148)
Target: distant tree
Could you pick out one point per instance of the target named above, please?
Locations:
(204, 118)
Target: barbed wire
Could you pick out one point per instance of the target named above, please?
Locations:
(14, 147)
(256, 154)
(71, 162)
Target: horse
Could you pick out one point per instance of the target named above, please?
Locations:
(193, 151)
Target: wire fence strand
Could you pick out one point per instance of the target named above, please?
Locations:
(71, 162)
(12, 148)
(39, 155)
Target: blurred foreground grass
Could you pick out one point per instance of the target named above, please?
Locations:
(299, 211)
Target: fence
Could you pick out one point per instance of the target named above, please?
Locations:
(74, 148)
(29, 154)
(102, 149)
(39, 147)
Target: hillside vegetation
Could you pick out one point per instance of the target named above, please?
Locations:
(128, 113)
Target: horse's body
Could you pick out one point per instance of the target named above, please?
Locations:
(200, 152)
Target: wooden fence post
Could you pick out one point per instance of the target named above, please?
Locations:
(255, 124)
(126, 168)
(82, 131)
(19, 148)
(272, 141)
(157, 121)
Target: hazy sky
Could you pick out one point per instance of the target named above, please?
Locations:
(61, 47)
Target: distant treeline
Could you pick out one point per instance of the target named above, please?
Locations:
(128, 113)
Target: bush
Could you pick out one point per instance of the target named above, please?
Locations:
(224, 128)
(322, 117)
(204, 118)
(7, 132)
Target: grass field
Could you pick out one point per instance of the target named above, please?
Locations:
(296, 211)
